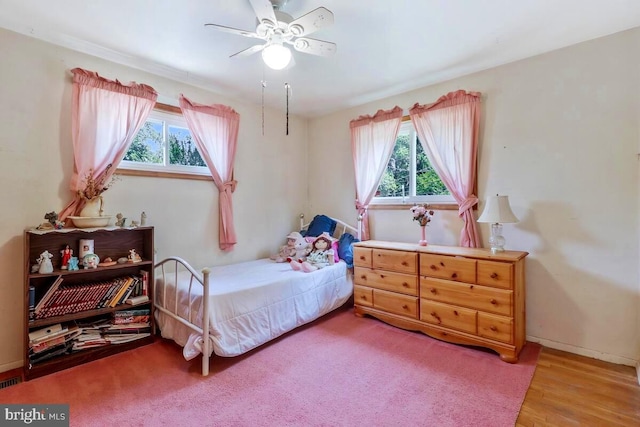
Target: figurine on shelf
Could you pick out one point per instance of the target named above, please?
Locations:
(120, 220)
(134, 257)
(73, 263)
(134, 224)
(44, 263)
(143, 219)
(66, 253)
(90, 261)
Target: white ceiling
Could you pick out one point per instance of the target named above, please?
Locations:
(385, 47)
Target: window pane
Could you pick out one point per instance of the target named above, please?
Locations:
(427, 181)
(182, 150)
(147, 144)
(395, 181)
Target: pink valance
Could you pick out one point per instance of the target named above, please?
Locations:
(92, 79)
(379, 116)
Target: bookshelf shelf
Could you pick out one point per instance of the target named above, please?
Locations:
(69, 299)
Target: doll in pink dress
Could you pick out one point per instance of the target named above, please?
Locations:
(321, 256)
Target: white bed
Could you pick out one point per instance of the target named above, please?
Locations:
(249, 303)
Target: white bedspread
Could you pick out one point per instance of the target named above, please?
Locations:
(254, 302)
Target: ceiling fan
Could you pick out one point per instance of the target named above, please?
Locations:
(278, 29)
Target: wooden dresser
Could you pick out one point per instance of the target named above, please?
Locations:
(461, 295)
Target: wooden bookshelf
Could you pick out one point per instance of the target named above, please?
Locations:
(113, 242)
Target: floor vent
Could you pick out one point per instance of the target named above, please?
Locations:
(9, 382)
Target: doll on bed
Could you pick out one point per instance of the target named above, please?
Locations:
(321, 255)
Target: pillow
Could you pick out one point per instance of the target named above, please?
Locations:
(345, 250)
(334, 246)
(320, 224)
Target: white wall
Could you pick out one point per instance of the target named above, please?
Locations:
(36, 161)
(559, 135)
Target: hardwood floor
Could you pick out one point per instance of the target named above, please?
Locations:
(572, 390)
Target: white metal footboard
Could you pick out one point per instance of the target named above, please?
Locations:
(171, 267)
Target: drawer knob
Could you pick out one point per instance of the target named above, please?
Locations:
(454, 275)
(405, 306)
(362, 258)
(455, 312)
(404, 263)
(363, 277)
(363, 297)
(494, 275)
(442, 263)
(433, 267)
(433, 290)
(493, 301)
(405, 284)
(494, 329)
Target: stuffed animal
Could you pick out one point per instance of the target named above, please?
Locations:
(321, 255)
(296, 248)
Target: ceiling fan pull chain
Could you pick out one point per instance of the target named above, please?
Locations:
(263, 83)
(287, 88)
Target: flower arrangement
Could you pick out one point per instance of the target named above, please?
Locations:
(422, 214)
(95, 187)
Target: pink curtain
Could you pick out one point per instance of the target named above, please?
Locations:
(105, 117)
(448, 131)
(215, 131)
(372, 142)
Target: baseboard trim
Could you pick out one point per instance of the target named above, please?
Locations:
(619, 360)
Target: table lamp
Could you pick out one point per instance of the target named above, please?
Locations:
(497, 212)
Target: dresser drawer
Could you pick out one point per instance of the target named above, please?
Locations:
(448, 267)
(363, 296)
(379, 279)
(495, 274)
(481, 298)
(396, 303)
(399, 261)
(495, 327)
(362, 256)
(449, 316)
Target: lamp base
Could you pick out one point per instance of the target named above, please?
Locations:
(496, 240)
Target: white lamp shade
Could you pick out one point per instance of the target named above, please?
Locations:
(497, 210)
(276, 56)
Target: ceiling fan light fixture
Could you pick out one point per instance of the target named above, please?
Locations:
(276, 56)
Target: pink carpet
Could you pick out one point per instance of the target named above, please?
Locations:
(338, 371)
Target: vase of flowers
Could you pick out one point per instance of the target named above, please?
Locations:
(422, 214)
(92, 194)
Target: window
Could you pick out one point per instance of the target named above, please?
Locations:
(164, 144)
(409, 177)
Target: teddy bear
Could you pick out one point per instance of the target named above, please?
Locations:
(296, 248)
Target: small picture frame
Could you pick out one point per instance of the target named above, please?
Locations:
(85, 247)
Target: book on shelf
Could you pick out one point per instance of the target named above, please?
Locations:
(145, 282)
(48, 295)
(68, 335)
(131, 316)
(47, 332)
(137, 300)
(32, 302)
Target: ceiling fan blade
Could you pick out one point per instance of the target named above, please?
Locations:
(312, 21)
(314, 46)
(234, 31)
(249, 51)
(264, 11)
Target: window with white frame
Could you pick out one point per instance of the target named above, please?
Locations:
(164, 144)
(409, 177)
